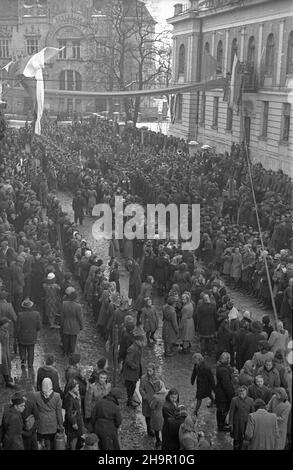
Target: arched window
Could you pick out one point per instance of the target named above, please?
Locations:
(289, 67)
(220, 57)
(234, 50)
(270, 53)
(207, 47)
(181, 61)
(70, 80)
(251, 51)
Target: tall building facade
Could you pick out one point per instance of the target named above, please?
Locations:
(27, 26)
(260, 32)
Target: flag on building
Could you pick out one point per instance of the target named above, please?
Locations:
(235, 84)
(30, 72)
(209, 66)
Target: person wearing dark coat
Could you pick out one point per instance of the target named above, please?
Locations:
(225, 340)
(71, 322)
(169, 412)
(240, 408)
(147, 391)
(30, 416)
(27, 327)
(224, 390)
(132, 369)
(174, 424)
(127, 339)
(238, 340)
(74, 372)
(170, 330)
(78, 206)
(205, 385)
(206, 315)
(250, 344)
(49, 370)
(106, 419)
(37, 278)
(259, 390)
(134, 279)
(5, 361)
(73, 422)
(12, 424)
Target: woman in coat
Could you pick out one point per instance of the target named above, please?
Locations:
(156, 406)
(170, 328)
(186, 326)
(205, 385)
(187, 435)
(227, 261)
(52, 298)
(236, 266)
(149, 320)
(224, 391)
(71, 321)
(73, 423)
(247, 374)
(50, 420)
(99, 389)
(270, 375)
(169, 412)
(280, 405)
(5, 362)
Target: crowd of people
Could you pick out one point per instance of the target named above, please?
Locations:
(253, 380)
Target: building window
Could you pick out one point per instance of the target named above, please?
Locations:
(285, 122)
(215, 111)
(289, 68)
(4, 49)
(229, 119)
(101, 50)
(62, 43)
(203, 109)
(207, 47)
(251, 52)
(181, 60)
(61, 104)
(265, 119)
(32, 46)
(70, 80)
(234, 50)
(76, 49)
(179, 107)
(220, 57)
(270, 53)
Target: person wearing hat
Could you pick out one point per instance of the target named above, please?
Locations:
(240, 408)
(12, 424)
(132, 369)
(27, 327)
(280, 405)
(91, 442)
(106, 419)
(71, 321)
(5, 361)
(52, 299)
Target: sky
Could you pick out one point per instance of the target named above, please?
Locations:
(161, 9)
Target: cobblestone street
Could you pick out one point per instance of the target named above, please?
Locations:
(175, 371)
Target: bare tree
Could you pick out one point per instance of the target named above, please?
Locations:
(132, 51)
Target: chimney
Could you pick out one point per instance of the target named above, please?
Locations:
(177, 9)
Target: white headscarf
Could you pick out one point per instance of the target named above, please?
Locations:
(47, 387)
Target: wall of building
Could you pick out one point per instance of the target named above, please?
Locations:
(252, 19)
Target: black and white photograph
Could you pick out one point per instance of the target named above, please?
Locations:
(146, 238)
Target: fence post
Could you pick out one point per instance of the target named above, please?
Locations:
(115, 354)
